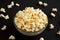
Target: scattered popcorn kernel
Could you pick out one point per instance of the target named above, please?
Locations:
(54, 9)
(4, 27)
(3, 10)
(45, 4)
(12, 37)
(52, 14)
(1, 15)
(12, 4)
(6, 17)
(31, 19)
(41, 38)
(58, 32)
(17, 4)
(51, 26)
(9, 6)
(40, 2)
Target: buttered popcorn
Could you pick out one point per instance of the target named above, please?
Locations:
(30, 19)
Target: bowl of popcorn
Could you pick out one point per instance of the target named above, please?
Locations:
(30, 21)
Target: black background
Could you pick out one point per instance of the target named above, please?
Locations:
(11, 30)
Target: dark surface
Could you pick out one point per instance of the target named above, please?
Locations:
(11, 30)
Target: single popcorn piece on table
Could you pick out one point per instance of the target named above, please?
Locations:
(6, 17)
(4, 27)
(12, 4)
(9, 6)
(40, 2)
(45, 4)
(12, 37)
(30, 19)
(52, 14)
(51, 26)
(2, 10)
(58, 32)
(54, 9)
(1, 15)
(17, 4)
(41, 38)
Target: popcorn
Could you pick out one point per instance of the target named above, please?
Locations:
(51, 26)
(4, 27)
(54, 9)
(45, 4)
(6, 17)
(52, 14)
(58, 32)
(2, 10)
(9, 6)
(12, 4)
(12, 37)
(28, 19)
(17, 4)
(1, 15)
(40, 2)
(41, 38)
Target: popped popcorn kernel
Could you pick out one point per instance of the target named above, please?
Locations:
(2, 10)
(45, 4)
(10, 5)
(6, 17)
(51, 26)
(17, 4)
(54, 9)
(58, 32)
(41, 38)
(40, 2)
(4, 27)
(52, 14)
(12, 37)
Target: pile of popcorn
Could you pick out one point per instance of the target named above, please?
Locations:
(30, 19)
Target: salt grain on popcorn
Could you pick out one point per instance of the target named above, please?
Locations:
(58, 32)
(17, 4)
(52, 14)
(41, 38)
(51, 26)
(2, 10)
(4, 27)
(12, 37)
(54, 9)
